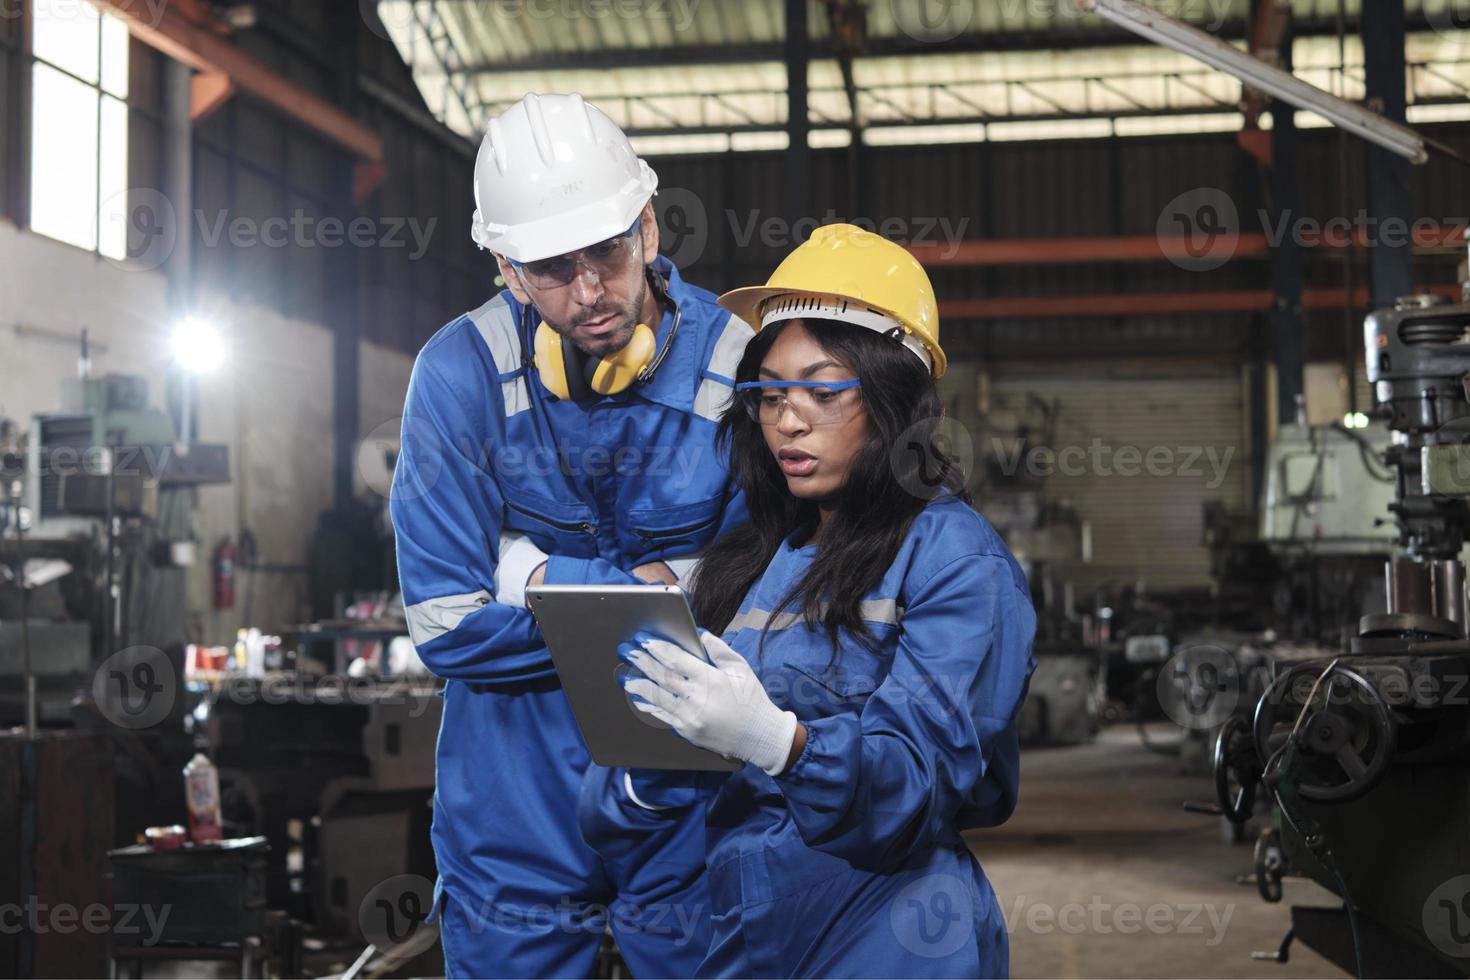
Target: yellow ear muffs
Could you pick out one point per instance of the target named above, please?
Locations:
(551, 362)
(618, 372)
(610, 375)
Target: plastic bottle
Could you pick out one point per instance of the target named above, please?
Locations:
(201, 794)
(254, 653)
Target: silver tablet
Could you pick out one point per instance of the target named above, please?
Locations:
(583, 625)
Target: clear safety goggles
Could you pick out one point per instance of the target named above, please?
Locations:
(814, 402)
(609, 258)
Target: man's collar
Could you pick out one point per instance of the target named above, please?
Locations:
(673, 384)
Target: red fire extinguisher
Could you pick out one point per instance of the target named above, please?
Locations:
(224, 575)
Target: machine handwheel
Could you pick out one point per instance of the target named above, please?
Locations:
(1346, 740)
(1270, 865)
(1237, 772)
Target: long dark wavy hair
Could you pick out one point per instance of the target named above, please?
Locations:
(873, 510)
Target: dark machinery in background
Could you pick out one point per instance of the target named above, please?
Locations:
(1064, 701)
(102, 527)
(97, 505)
(98, 539)
(95, 537)
(1290, 581)
(1365, 755)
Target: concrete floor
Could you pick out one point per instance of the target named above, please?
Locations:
(1101, 873)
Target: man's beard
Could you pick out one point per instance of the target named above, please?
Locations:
(626, 318)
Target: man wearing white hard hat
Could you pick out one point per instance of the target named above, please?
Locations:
(561, 433)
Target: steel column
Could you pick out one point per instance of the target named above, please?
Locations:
(1390, 268)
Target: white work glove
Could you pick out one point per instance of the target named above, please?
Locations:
(720, 707)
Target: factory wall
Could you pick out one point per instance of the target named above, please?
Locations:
(1170, 384)
(271, 404)
(725, 222)
(731, 226)
(273, 269)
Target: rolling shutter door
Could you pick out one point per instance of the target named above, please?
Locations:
(1145, 511)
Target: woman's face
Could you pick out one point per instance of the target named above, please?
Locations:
(815, 458)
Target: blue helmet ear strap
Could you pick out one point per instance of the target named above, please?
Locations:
(830, 385)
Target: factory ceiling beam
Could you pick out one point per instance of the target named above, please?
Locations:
(701, 55)
(1187, 39)
(798, 157)
(1287, 258)
(1272, 18)
(182, 30)
(1389, 177)
(847, 22)
(1151, 248)
(1147, 304)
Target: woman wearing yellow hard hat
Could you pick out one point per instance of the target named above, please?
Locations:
(869, 646)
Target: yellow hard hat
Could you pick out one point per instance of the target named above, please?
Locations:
(845, 273)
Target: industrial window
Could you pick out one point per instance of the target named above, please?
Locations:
(79, 126)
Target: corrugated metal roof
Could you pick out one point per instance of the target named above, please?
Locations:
(686, 67)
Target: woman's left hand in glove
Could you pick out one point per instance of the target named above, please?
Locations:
(716, 704)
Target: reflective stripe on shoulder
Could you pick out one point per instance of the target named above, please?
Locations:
(873, 611)
(435, 617)
(714, 395)
(497, 326)
(730, 347)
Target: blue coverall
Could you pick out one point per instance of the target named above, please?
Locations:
(851, 863)
(602, 485)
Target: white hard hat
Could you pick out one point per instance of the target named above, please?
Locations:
(554, 175)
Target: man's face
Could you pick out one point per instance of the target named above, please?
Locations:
(606, 296)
